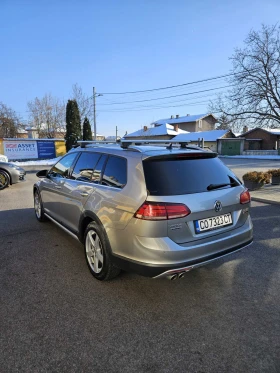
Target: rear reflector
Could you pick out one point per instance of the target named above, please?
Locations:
(162, 211)
(245, 197)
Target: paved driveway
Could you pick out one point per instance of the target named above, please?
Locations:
(56, 318)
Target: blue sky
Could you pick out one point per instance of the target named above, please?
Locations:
(118, 46)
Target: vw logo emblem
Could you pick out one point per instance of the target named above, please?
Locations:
(218, 206)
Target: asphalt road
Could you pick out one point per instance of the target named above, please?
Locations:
(241, 166)
(55, 317)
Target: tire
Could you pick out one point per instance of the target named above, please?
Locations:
(38, 207)
(4, 179)
(97, 253)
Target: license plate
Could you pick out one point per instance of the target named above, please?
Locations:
(214, 222)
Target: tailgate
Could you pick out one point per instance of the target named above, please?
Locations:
(202, 205)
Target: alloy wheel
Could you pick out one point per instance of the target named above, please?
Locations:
(94, 251)
(37, 205)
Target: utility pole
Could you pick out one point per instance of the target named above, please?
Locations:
(94, 114)
(116, 133)
(94, 110)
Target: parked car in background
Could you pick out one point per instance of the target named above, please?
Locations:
(10, 173)
(155, 210)
(3, 158)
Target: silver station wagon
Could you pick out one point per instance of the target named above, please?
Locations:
(158, 211)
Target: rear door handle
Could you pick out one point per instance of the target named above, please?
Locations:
(84, 194)
(58, 187)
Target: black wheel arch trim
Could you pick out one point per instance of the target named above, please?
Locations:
(89, 214)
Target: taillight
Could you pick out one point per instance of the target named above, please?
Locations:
(161, 211)
(245, 197)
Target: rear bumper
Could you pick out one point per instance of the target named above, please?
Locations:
(154, 257)
(157, 271)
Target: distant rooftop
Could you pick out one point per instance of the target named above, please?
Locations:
(185, 119)
(165, 129)
(213, 135)
(273, 131)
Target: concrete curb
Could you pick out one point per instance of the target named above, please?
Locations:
(263, 200)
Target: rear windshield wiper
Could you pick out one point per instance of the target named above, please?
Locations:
(217, 186)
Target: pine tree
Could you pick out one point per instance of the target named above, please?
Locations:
(73, 124)
(87, 134)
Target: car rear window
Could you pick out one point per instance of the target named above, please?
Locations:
(175, 176)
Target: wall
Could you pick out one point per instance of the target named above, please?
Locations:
(60, 148)
(22, 135)
(260, 152)
(212, 145)
(208, 124)
(268, 140)
(190, 126)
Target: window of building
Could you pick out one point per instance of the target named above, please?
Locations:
(62, 168)
(85, 165)
(115, 173)
(200, 123)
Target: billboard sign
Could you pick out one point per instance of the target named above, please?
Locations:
(20, 149)
(46, 149)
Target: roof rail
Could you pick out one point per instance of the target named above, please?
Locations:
(84, 143)
(125, 144)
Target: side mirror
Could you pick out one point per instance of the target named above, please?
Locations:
(42, 174)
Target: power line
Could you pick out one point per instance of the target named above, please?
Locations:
(179, 86)
(173, 86)
(151, 107)
(184, 89)
(172, 102)
(161, 98)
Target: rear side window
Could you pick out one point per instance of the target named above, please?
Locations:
(85, 165)
(98, 169)
(115, 173)
(166, 177)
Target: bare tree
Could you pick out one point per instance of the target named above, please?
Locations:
(221, 110)
(9, 121)
(224, 122)
(47, 115)
(84, 102)
(255, 97)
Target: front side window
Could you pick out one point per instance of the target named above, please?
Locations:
(115, 173)
(84, 167)
(62, 168)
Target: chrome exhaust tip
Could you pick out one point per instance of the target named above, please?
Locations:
(172, 277)
(181, 275)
